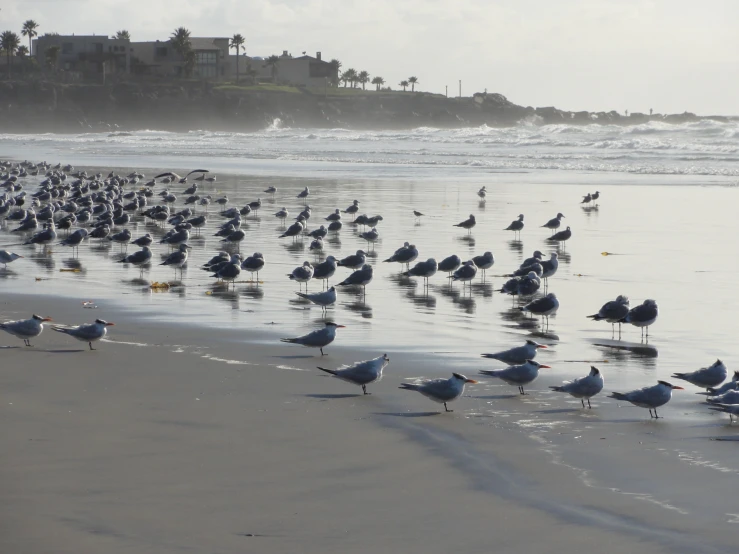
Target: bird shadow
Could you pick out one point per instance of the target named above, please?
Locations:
(295, 357)
(558, 411)
(408, 414)
(499, 396)
(333, 396)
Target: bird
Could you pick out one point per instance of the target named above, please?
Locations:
(270, 190)
(518, 354)
(554, 223)
(518, 375)
(319, 233)
(643, 316)
(8, 257)
(324, 299)
(562, 236)
(535, 258)
(729, 397)
(613, 311)
(360, 278)
(545, 306)
(354, 261)
(144, 240)
(726, 387)
(87, 332)
(295, 230)
(594, 197)
(304, 193)
(484, 262)
(316, 244)
(44, 237)
(139, 258)
(178, 258)
(302, 274)
(335, 226)
(370, 236)
(649, 397)
(320, 338)
(282, 214)
(353, 209)
(404, 255)
(229, 271)
(705, 378)
(450, 264)
(468, 224)
(325, 270)
(25, 329)
(587, 199)
(516, 225)
(336, 216)
(731, 409)
(442, 391)
(425, 270)
(466, 273)
(361, 373)
(121, 238)
(418, 214)
(583, 388)
(253, 264)
(482, 193)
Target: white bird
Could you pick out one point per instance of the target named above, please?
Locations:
(25, 329)
(707, 377)
(518, 375)
(8, 257)
(302, 274)
(441, 391)
(87, 332)
(323, 299)
(361, 373)
(731, 409)
(319, 338)
(583, 388)
(726, 387)
(518, 354)
(613, 312)
(649, 397)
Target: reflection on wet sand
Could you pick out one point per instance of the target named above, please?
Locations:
(515, 246)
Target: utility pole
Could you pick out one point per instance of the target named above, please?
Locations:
(446, 91)
(460, 88)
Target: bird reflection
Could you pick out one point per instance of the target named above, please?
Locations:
(47, 263)
(468, 239)
(73, 263)
(222, 291)
(360, 306)
(485, 288)
(563, 256)
(515, 246)
(295, 247)
(425, 299)
(481, 205)
(590, 210)
(467, 303)
(334, 240)
(254, 292)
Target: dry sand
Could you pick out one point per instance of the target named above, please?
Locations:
(176, 439)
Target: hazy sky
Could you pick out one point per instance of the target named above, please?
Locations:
(670, 55)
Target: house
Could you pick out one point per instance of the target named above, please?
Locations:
(160, 58)
(85, 54)
(303, 71)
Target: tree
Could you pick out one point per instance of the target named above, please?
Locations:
(190, 59)
(335, 67)
(349, 76)
(251, 74)
(22, 51)
(404, 84)
(52, 55)
(413, 81)
(378, 82)
(29, 30)
(9, 42)
(273, 61)
(237, 41)
(122, 35)
(180, 41)
(363, 78)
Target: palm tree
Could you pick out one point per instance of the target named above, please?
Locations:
(378, 82)
(22, 51)
(363, 78)
(29, 30)
(9, 42)
(52, 55)
(413, 81)
(237, 41)
(122, 35)
(335, 66)
(404, 84)
(180, 41)
(350, 76)
(273, 61)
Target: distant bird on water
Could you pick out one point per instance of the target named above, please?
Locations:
(468, 224)
(516, 225)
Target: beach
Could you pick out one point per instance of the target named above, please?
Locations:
(192, 428)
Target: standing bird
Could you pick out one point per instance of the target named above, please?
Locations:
(282, 214)
(353, 209)
(25, 329)
(594, 197)
(354, 261)
(482, 193)
(319, 338)
(325, 270)
(178, 258)
(726, 387)
(424, 270)
(370, 236)
(544, 307)
(441, 391)
(465, 273)
(48, 235)
(562, 236)
(516, 225)
(322, 299)
(418, 215)
(8, 257)
(295, 230)
(88, 332)
(145, 240)
(583, 388)
(336, 216)
(270, 190)
(404, 255)
(361, 373)
(707, 377)
(254, 264)
(518, 354)
(649, 397)
(587, 199)
(484, 262)
(468, 224)
(450, 264)
(302, 274)
(554, 224)
(613, 312)
(643, 316)
(518, 375)
(360, 278)
(138, 259)
(304, 193)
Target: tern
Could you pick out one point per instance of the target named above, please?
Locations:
(302, 274)
(361, 373)
(729, 397)
(518, 375)
(8, 257)
(25, 329)
(643, 316)
(731, 409)
(562, 236)
(583, 388)
(468, 224)
(707, 377)
(516, 225)
(319, 338)
(554, 223)
(649, 397)
(323, 299)
(441, 391)
(613, 312)
(87, 332)
(518, 354)
(726, 387)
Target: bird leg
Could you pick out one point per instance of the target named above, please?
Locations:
(364, 389)
(589, 406)
(91, 348)
(583, 402)
(321, 349)
(447, 409)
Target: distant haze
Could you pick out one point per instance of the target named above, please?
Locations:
(669, 55)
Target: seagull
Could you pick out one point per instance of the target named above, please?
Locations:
(336, 216)
(361, 373)
(707, 377)
(319, 233)
(353, 209)
(174, 176)
(88, 332)
(335, 226)
(253, 264)
(441, 391)
(44, 237)
(545, 307)
(8, 257)
(726, 387)
(643, 315)
(529, 284)
(325, 270)
(319, 338)
(270, 190)
(223, 200)
(121, 238)
(554, 224)
(296, 229)
(304, 193)
(418, 214)
(534, 259)
(482, 193)
(178, 258)
(138, 259)
(518, 354)
(586, 199)
(282, 214)
(518, 375)
(594, 197)
(562, 236)
(25, 329)
(465, 273)
(354, 261)
(549, 267)
(360, 278)
(583, 388)
(404, 255)
(613, 312)
(467, 224)
(235, 238)
(425, 270)
(316, 244)
(100, 232)
(516, 225)
(484, 262)
(374, 220)
(302, 274)
(450, 265)
(371, 236)
(323, 299)
(230, 270)
(649, 397)
(178, 237)
(145, 240)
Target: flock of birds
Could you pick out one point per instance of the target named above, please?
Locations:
(94, 207)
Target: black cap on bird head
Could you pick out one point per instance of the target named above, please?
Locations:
(594, 370)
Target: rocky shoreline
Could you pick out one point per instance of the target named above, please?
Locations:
(39, 106)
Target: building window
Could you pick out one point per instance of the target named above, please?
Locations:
(67, 48)
(161, 51)
(206, 58)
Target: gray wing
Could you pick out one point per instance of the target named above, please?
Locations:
(439, 388)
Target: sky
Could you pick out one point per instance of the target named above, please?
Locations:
(599, 55)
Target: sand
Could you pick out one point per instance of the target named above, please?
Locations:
(182, 439)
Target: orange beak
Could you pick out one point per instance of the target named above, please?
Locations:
(542, 346)
(46, 319)
(341, 326)
(678, 388)
(542, 366)
(110, 325)
(471, 381)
